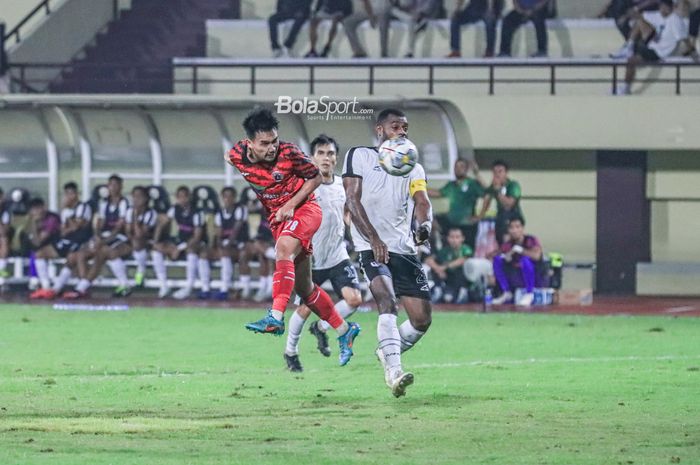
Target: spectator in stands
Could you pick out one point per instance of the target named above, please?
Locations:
(694, 16)
(507, 194)
(377, 13)
(654, 38)
(488, 11)
(451, 285)
(141, 221)
(5, 235)
(625, 12)
(42, 229)
(109, 244)
(75, 233)
(190, 240)
(516, 264)
(416, 14)
(333, 10)
(231, 238)
(462, 194)
(297, 10)
(524, 11)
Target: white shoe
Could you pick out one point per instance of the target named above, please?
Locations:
(163, 292)
(182, 294)
(277, 53)
(400, 382)
(503, 298)
(526, 300)
(625, 52)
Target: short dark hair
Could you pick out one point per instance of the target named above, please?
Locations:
(230, 189)
(386, 113)
(141, 189)
(517, 218)
(117, 178)
(259, 120)
(502, 163)
(667, 3)
(36, 202)
(184, 189)
(455, 228)
(323, 139)
(70, 186)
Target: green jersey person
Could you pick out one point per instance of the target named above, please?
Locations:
(451, 285)
(507, 194)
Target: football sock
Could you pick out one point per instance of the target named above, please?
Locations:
(226, 273)
(159, 267)
(409, 335)
(205, 274)
(141, 256)
(42, 272)
(82, 286)
(245, 284)
(321, 304)
(296, 324)
(191, 271)
(343, 309)
(62, 279)
(3, 263)
(118, 268)
(389, 342)
(282, 285)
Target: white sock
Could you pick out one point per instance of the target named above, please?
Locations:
(226, 273)
(409, 335)
(245, 283)
(345, 311)
(389, 342)
(159, 267)
(141, 256)
(42, 272)
(83, 286)
(191, 272)
(205, 274)
(3, 263)
(277, 315)
(296, 324)
(62, 278)
(118, 268)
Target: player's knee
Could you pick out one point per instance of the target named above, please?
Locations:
(388, 305)
(422, 323)
(354, 299)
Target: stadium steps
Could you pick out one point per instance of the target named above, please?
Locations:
(141, 45)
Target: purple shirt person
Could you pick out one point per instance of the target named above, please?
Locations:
(515, 265)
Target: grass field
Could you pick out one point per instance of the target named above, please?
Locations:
(188, 386)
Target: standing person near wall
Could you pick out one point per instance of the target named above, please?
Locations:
(507, 194)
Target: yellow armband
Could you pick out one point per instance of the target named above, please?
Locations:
(418, 185)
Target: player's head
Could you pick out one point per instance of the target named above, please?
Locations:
(324, 151)
(461, 168)
(455, 237)
(228, 196)
(183, 196)
(391, 124)
(37, 208)
(666, 7)
(516, 228)
(139, 194)
(115, 183)
(70, 193)
(500, 171)
(261, 130)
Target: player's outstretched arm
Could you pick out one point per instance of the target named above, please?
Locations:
(353, 194)
(286, 211)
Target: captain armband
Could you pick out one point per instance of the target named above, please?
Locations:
(418, 185)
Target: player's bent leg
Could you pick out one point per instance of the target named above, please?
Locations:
(419, 313)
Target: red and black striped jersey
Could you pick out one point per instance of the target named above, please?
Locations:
(274, 183)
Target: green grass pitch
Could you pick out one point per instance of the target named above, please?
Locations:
(191, 386)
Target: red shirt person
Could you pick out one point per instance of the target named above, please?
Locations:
(284, 180)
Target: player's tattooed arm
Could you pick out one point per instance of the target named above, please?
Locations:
(286, 211)
(353, 194)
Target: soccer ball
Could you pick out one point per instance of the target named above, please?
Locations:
(398, 156)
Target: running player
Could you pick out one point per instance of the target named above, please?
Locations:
(285, 180)
(232, 236)
(141, 222)
(382, 208)
(330, 260)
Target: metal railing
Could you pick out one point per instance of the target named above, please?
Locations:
(553, 66)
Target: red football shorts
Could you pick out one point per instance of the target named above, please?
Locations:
(302, 226)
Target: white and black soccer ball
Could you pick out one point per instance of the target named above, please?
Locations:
(398, 156)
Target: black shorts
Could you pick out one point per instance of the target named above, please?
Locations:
(64, 247)
(405, 271)
(341, 275)
(646, 53)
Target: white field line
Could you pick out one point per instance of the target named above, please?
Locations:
(682, 309)
(535, 361)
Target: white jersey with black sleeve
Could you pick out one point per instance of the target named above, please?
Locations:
(329, 240)
(387, 200)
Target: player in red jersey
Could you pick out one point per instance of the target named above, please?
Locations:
(284, 180)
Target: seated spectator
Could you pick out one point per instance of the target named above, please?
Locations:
(416, 15)
(43, 228)
(488, 11)
(141, 222)
(694, 16)
(462, 194)
(516, 264)
(654, 38)
(524, 11)
(231, 238)
(76, 232)
(297, 10)
(5, 235)
(334, 10)
(507, 194)
(624, 13)
(372, 11)
(451, 285)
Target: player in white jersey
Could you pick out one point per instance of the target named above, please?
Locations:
(384, 208)
(330, 258)
(141, 221)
